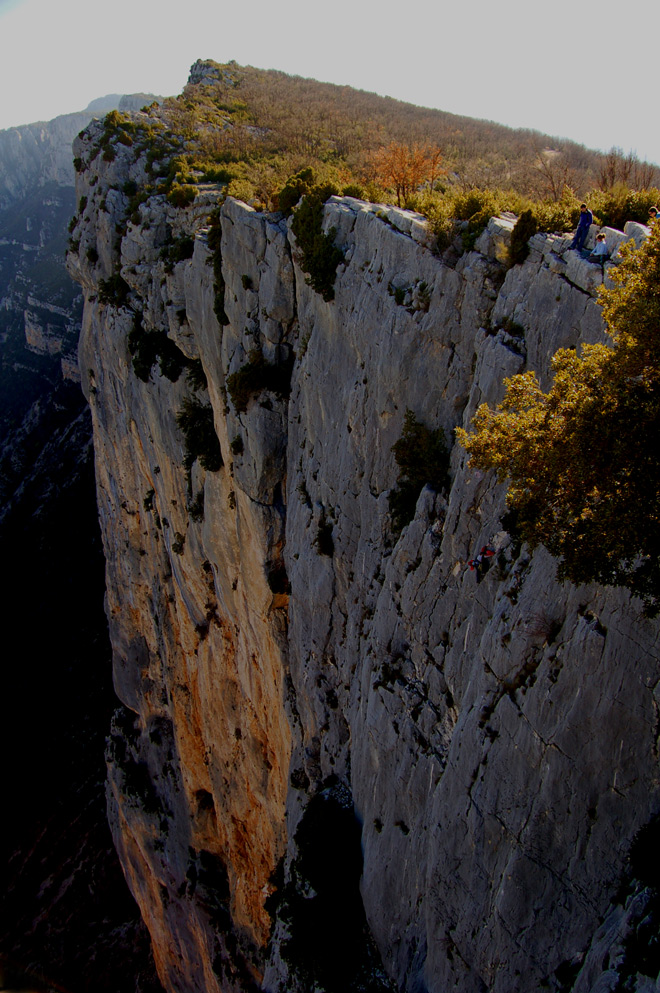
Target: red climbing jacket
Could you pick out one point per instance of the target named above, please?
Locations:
(485, 553)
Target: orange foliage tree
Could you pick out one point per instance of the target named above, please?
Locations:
(404, 168)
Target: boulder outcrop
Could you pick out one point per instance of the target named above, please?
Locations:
(291, 670)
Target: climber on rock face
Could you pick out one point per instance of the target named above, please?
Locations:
(481, 564)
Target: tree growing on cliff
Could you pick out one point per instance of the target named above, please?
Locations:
(583, 459)
(319, 256)
(423, 460)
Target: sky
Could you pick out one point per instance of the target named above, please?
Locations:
(577, 69)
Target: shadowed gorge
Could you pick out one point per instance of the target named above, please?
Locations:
(68, 921)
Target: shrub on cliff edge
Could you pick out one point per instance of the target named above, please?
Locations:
(294, 189)
(319, 254)
(215, 245)
(525, 228)
(583, 460)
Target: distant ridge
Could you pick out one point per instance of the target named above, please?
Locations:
(40, 152)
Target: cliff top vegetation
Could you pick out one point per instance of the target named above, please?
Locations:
(251, 130)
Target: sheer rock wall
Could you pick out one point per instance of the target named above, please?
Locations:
(498, 740)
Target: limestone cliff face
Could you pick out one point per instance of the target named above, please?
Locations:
(33, 155)
(287, 665)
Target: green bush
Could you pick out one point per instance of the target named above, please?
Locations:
(215, 245)
(134, 204)
(320, 256)
(423, 460)
(113, 120)
(181, 195)
(114, 290)
(295, 188)
(255, 377)
(475, 203)
(196, 507)
(324, 542)
(213, 174)
(558, 216)
(196, 421)
(525, 228)
(399, 293)
(149, 347)
(237, 446)
(179, 251)
(195, 375)
(354, 190)
(171, 360)
(477, 206)
(582, 460)
(614, 207)
(117, 128)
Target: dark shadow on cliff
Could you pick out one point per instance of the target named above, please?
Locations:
(330, 945)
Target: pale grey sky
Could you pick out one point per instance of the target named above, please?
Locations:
(573, 68)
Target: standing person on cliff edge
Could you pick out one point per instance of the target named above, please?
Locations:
(585, 222)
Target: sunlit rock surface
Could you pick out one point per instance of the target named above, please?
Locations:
(285, 662)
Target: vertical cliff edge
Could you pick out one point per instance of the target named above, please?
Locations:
(341, 762)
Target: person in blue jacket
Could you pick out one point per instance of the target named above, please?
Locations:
(585, 222)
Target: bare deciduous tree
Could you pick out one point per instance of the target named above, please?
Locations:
(553, 171)
(404, 168)
(627, 170)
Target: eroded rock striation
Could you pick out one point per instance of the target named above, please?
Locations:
(342, 762)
